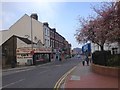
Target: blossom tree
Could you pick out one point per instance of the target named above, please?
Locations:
(92, 31)
(111, 15)
(104, 28)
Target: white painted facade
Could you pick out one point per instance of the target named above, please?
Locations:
(21, 44)
(46, 36)
(4, 36)
(23, 28)
(113, 47)
(27, 25)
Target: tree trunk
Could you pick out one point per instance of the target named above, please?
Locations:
(102, 47)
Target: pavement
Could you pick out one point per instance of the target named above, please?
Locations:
(83, 78)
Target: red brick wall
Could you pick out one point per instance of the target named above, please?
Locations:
(105, 70)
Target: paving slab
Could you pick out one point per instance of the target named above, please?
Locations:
(83, 77)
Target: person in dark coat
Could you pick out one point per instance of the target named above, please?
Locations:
(87, 60)
(83, 59)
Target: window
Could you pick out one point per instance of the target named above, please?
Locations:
(45, 31)
(48, 43)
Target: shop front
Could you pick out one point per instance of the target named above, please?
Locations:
(28, 56)
(39, 58)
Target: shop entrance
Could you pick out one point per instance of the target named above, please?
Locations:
(40, 58)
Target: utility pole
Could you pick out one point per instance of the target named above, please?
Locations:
(31, 35)
(32, 40)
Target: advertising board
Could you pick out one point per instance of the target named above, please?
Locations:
(86, 48)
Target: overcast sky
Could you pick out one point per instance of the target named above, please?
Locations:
(60, 15)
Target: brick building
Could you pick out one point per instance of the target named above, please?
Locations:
(29, 29)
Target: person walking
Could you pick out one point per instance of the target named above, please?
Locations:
(90, 58)
(87, 60)
(83, 59)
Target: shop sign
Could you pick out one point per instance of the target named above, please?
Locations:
(34, 50)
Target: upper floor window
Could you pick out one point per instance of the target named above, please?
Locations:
(45, 31)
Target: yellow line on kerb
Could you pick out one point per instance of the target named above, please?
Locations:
(57, 85)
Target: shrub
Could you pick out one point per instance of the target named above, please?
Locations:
(114, 60)
(101, 57)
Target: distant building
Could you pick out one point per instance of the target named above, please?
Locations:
(76, 51)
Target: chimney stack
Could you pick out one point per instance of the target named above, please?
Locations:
(46, 24)
(34, 16)
(54, 29)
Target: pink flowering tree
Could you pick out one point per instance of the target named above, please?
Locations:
(104, 28)
(110, 12)
(92, 31)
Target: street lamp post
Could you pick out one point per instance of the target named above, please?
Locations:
(31, 35)
(31, 40)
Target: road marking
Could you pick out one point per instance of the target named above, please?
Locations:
(45, 64)
(59, 82)
(23, 70)
(57, 65)
(44, 67)
(74, 77)
(13, 83)
(42, 72)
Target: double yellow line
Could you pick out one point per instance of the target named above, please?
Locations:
(60, 81)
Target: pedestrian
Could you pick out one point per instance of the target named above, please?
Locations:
(83, 59)
(90, 58)
(60, 59)
(87, 60)
(57, 57)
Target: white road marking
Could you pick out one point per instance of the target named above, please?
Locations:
(44, 67)
(57, 65)
(23, 70)
(74, 77)
(13, 83)
(42, 72)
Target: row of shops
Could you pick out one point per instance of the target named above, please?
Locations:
(29, 56)
(35, 56)
(14, 54)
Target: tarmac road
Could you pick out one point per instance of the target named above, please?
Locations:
(42, 76)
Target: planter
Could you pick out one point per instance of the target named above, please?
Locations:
(105, 70)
